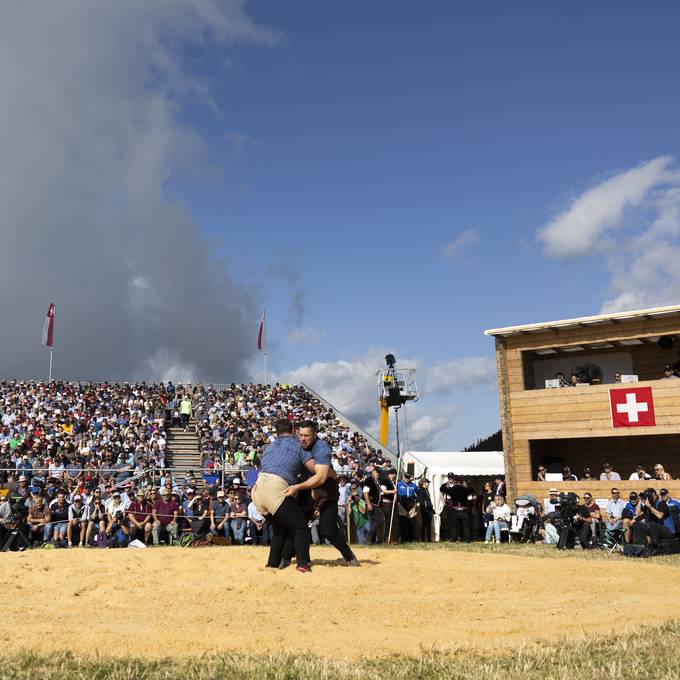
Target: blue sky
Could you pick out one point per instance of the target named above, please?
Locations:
(377, 133)
(382, 176)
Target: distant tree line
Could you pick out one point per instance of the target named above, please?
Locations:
(494, 442)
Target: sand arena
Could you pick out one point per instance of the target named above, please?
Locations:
(174, 602)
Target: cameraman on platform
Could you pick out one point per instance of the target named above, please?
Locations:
(582, 525)
(654, 521)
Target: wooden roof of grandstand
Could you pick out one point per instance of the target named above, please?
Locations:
(585, 321)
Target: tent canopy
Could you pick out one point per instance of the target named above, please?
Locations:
(463, 463)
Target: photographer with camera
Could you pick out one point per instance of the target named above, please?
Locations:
(654, 521)
(360, 514)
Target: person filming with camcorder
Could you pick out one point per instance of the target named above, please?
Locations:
(572, 520)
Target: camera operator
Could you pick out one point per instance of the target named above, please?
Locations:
(654, 521)
(631, 512)
(360, 514)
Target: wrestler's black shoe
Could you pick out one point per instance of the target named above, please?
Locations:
(284, 564)
(304, 568)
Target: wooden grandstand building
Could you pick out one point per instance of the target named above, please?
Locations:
(629, 423)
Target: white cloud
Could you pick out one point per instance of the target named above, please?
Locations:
(579, 230)
(465, 372)
(306, 336)
(463, 241)
(95, 138)
(351, 386)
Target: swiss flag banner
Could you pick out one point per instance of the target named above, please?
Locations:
(632, 407)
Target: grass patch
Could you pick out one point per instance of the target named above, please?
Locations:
(538, 550)
(651, 652)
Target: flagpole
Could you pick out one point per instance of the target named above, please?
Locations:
(49, 379)
(264, 346)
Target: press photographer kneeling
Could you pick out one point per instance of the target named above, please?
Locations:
(654, 521)
(572, 520)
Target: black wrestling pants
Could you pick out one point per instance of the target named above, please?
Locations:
(289, 519)
(330, 530)
(459, 525)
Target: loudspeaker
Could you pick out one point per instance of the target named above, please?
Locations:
(666, 342)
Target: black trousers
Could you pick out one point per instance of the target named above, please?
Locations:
(426, 526)
(459, 525)
(407, 528)
(377, 533)
(289, 519)
(330, 530)
(641, 530)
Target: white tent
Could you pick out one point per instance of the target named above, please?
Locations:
(435, 465)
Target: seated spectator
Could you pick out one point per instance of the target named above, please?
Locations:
(575, 380)
(562, 381)
(38, 527)
(631, 512)
(586, 474)
(219, 516)
(501, 518)
(671, 502)
(96, 520)
(77, 521)
(540, 475)
(640, 474)
(608, 473)
(594, 510)
(260, 529)
(669, 373)
(117, 526)
(200, 519)
(165, 513)
(615, 508)
(567, 475)
(237, 519)
(552, 502)
(140, 519)
(57, 516)
(660, 473)
(617, 376)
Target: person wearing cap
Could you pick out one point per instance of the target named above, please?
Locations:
(670, 501)
(608, 474)
(324, 486)
(669, 373)
(631, 512)
(655, 522)
(219, 516)
(282, 463)
(77, 521)
(165, 513)
(640, 474)
(407, 499)
(140, 517)
(426, 510)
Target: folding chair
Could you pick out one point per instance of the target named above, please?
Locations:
(617, 538)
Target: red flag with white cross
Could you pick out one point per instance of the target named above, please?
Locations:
(632, 407)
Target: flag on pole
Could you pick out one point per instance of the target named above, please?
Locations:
(260, 334)
(48, 328)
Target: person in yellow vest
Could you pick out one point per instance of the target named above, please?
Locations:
(185, 411)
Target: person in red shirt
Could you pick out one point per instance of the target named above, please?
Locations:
(165, 512)
(140, 516)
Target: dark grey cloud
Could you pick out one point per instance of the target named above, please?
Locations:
(290, 277)
(91, 138)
